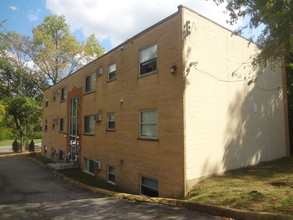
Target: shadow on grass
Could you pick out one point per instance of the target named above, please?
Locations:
(266, 187)
(90, 180)
(78, 175)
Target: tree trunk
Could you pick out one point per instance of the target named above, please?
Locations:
(22, 138)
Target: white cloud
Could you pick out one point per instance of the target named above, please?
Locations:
(13, 8)
(33, 15)
(119, 20)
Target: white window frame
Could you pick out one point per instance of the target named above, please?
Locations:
(91, 118)
(151, 188)
(63, 94)
(112, 71)
(150, 123)
(110, 173)
(91, 84)
(99, 70)
(62, 122)
(87, 166)
(143, 60)
(47, 101)
(46, 125)
(109, 120)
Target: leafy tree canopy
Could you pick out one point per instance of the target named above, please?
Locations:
(26, 112)
(276, 39)
(53, 50)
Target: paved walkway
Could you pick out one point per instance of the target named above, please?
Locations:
(29, 191)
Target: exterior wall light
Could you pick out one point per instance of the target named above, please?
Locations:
(172, 69)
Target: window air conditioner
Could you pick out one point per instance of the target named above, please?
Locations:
(97, 165)
(99, 71)
(97, 117)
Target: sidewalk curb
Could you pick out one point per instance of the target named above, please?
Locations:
(210, 209)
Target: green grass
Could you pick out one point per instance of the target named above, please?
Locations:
(80, 176)
(266, 187)
(39, 157)
(9, 142)
(90, 180)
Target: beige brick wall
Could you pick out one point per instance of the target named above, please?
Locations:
(207, 121)
(163, 159)
(223, 131)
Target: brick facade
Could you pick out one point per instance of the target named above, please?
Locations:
(176, 158)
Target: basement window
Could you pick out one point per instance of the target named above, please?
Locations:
(89, 166)
(111, 174)
(149, 187)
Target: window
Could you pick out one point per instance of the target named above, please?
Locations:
(99, 70)
(63, 95)
(53, 123)
(46, 126)
(90, 83)
(89, 124)
(149, 187)
(148, 124)
(111, 174)
(89, 166)
(54, 96)
(148, 60)
(45, 149)
(111, 121)
(46, 101)
(62, 125)
(112, 72)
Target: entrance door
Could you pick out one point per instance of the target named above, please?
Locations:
(74, 132)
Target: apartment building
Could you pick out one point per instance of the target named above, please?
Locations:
(176, 103)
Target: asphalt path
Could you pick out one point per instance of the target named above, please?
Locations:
(29, 191)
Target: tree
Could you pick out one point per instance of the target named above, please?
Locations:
(276, 39)
(26, 112)
(56, 52)
(14, 80)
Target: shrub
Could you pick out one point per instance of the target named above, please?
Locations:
(15, 146)
(32, 146)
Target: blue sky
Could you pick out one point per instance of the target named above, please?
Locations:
(112, 21)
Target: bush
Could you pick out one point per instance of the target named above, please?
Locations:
(6, 134)
(15, 146)
(32, 146)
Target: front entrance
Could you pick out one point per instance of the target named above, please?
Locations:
(74, 129)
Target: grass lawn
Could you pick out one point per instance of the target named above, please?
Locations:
(9, 142)
(90, 180)
(266, 187)
(80, 176)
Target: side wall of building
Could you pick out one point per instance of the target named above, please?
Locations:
(131, 156)
(234, 113)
